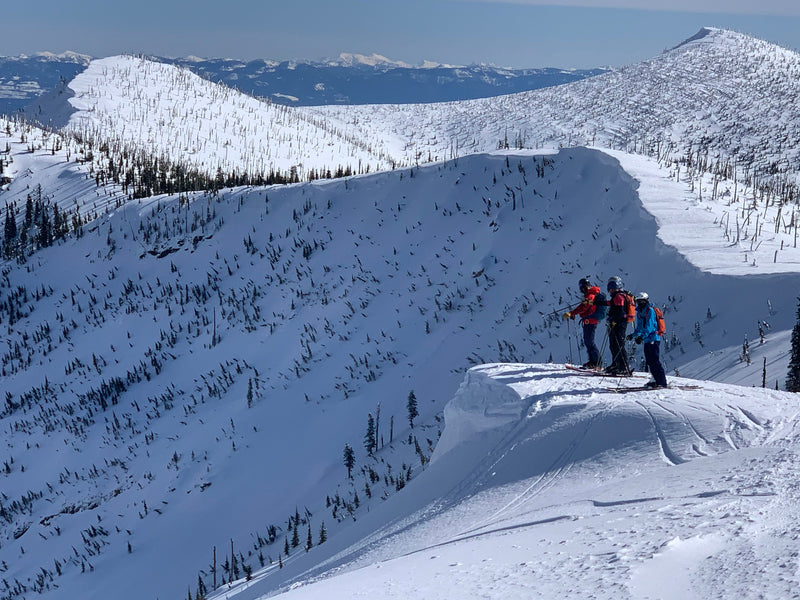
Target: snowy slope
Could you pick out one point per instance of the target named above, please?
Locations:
(197, 368)
(184, 376)
(722, 99)
(720, 92)
(718, 111)
(138, 104)
(35, 160)
(545, 484)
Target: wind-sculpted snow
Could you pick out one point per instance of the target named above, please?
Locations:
(481, 404)
(677, 493)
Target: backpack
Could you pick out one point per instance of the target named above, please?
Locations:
(600, 306)
(630, 306)
(661, 326)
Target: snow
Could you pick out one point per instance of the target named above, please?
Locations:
(401, 254)
(336, 298)
(660, 494)
(133, 102)
(373, 60)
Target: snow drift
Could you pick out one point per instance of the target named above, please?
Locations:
(660, 494)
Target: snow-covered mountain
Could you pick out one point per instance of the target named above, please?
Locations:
(133, 104)
(180, 374)
(721, 95)
(721, 100)
(199, 366)
(348, 79)
(374, 79)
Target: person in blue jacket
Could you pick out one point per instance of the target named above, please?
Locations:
(646, 332)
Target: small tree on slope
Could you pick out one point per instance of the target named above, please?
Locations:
(793, 377)
(411, 406)
(349, 458)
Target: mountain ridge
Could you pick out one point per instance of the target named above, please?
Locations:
(328, 298)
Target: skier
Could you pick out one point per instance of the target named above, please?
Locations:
(587, 310)
(647, 332)
(621, 311)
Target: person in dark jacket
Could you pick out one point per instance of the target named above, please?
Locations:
(586, 311)
(646, 332)
(617, 320)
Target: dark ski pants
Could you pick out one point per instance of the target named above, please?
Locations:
(592, 352)
(652, 352)
(616, 343)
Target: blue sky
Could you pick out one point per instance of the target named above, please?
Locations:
(516, 33)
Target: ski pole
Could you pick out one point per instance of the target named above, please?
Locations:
(569, 337)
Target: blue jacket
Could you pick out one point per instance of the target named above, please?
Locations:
(646, 326)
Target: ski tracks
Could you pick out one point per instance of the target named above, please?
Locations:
(667, 453)
(549, 477)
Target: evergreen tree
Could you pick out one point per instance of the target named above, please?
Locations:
(28, 212)
(45, 230)
(323, 535)
(295, 536)
(411, 406)
(9, 232)
(349, 459)
(793, 377)
(309, 540)
(369, 437)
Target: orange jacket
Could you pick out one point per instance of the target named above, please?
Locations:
(586, 308)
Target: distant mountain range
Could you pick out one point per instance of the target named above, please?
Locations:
(356, 79)
(351, 79)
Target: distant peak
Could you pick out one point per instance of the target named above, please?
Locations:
(373, 60)
(703, 33)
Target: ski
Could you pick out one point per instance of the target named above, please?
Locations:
(645, 388)
(599, 372)
(587, 370)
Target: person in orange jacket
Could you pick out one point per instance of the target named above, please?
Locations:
(587, 311)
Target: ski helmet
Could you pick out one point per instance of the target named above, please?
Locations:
(584, 283)
(642, 298)
(614, 283)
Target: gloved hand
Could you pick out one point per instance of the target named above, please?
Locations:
(567, 315)
(629, 337)
(638, 339)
